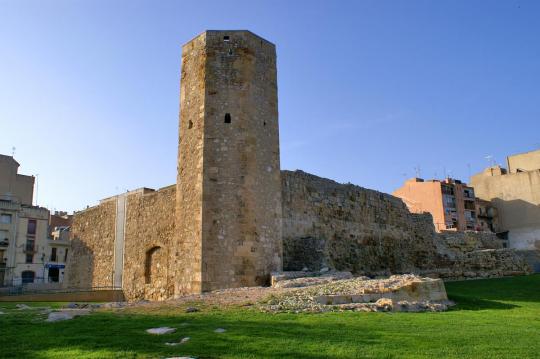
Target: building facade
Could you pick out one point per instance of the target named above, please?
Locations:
(25, 241)
(515, 193)
(450, 202)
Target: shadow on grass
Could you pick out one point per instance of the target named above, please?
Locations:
(472, 303)
(489, 293)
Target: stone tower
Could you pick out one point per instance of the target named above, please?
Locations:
(228, 188)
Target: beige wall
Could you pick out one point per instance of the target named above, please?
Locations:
(528, 161)
(41, 247)
(16, 187)
(423, 197)
(517, 199)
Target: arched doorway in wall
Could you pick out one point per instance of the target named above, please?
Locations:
(155, 273)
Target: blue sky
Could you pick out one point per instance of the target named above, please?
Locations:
(368, 90)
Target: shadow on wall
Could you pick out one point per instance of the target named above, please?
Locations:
(517, 213)
(80, 265)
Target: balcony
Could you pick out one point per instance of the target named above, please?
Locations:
(29, 249)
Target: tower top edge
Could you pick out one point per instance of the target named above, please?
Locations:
(225, 32)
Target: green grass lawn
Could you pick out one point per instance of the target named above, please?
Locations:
(495, 318)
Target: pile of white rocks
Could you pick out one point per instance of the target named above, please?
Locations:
(407, 293)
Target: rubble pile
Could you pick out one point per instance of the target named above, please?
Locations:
(407, 293)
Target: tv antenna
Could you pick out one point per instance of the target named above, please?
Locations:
(13, 151)
(491, 160)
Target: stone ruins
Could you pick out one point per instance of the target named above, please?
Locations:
(233, 217)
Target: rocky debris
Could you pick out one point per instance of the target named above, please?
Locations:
(161, 330)
(83, 305)
(23, 307)
(2, 313)
(397, 293)
(66, 314)
(182, 341)
(284, 280)
(116, 305)
(220, 330)
(192, 309)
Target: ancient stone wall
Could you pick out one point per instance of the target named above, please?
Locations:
(149, 252)
(92, 247)
(146, 267)
(350, 228)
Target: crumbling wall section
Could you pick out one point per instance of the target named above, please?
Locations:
(350, 228)
(92, 247)
(363, 231)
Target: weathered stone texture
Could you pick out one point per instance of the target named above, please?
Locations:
(229, 206)
(148, 233)
(92, 247)
(149, 251)
(363, 231)
(350, 228)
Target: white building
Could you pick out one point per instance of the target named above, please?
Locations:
(28, 254)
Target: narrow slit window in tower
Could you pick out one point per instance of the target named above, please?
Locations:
(190, 124)
(227, 118)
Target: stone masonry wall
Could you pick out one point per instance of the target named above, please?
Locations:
(149, 251)
(350, 228)
(148, 235)
(91, 256)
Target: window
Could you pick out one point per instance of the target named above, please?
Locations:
(32, 224)
(65, 255)
(30, 245)
(190, 124)
(227, 118)
(5, 218)
(226, 38)
(53, 254)
(29, 257)
(28, 276)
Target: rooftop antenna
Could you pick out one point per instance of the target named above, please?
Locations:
(491, 160)
(13, 151)
(417, 171)
(469, 169)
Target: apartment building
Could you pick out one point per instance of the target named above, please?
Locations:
(450, 202)
(515, 193)
(29, 253)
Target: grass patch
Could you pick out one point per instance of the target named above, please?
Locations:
(494, 318)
